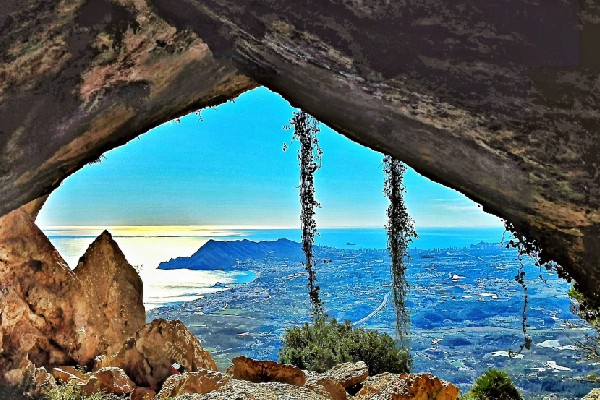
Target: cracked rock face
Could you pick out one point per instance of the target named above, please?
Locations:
(50, 315)
(498, 102)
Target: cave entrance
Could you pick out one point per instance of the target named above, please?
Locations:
(222, 174)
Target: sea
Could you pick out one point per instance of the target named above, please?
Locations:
(146, 246)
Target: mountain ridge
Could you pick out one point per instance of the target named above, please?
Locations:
(224, 255)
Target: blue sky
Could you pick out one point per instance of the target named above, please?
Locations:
(228, 168)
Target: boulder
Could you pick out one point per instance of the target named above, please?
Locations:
(348, 374)
(247, 369)
(389, 386)
(203, 381)
(67, 373)
(239, 389)
(113, 290)
(593, 395)
(327, 387)
(53, 316)
(35, 300)
(109, 380)
(147, 357)
(142, 393)
(38, 382)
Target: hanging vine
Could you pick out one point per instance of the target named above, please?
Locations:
(525, 247)
(309, 157)
(401, 232)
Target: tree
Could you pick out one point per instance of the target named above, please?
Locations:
(326, 343)
(401, 232)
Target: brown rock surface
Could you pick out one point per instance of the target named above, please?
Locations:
(147, 357)
(141, 393)
(239, 389)
(247, 369)
(348, 374)
(67, 373)
(52, 316)
(203, 381)
(37, 382)
(326, 387)
(113, 290)
(389, 386)
(36, 308)
(108, 380)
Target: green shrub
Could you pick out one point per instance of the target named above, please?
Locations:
(321, 346)
(493, 385)
(72, 391)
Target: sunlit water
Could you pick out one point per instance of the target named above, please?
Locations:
(146, 247)
(145, 253)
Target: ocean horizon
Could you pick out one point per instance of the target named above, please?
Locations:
(146, 246)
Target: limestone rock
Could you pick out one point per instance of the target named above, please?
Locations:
(34, 206)
(53, 316)
(67, 373)
(247, 369)
(35, 299)
(239, 389)
(327, 387)
(203, 381)
(114, 308)
(147, 357)
(348, 374)
(389, 386)
(109, 380)
(593, 395)
(142, 393)
(38, 382)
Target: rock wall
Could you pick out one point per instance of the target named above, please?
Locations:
(50, 315)
(499, 101)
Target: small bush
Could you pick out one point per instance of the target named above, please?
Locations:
(72, 391)
(327, 343)
(493, 385)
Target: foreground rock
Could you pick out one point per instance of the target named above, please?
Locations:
(593, 395)
(200, 382)
(238, 389)
(53, 316)
(36, 300)
(114, 288)
(108, 380)
(348, 374)
(252, 379)
(245, 368)
(389, 386)
(147, 357)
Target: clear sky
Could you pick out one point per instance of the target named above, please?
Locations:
(228, 168)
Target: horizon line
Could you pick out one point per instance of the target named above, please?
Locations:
(251, 227)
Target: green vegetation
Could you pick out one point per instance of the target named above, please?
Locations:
(72, 391)
(590, 345)
(324, 344)
(493, 385)
(401, 232)
(309, 156)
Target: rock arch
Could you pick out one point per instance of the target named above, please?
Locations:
(497, 100)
